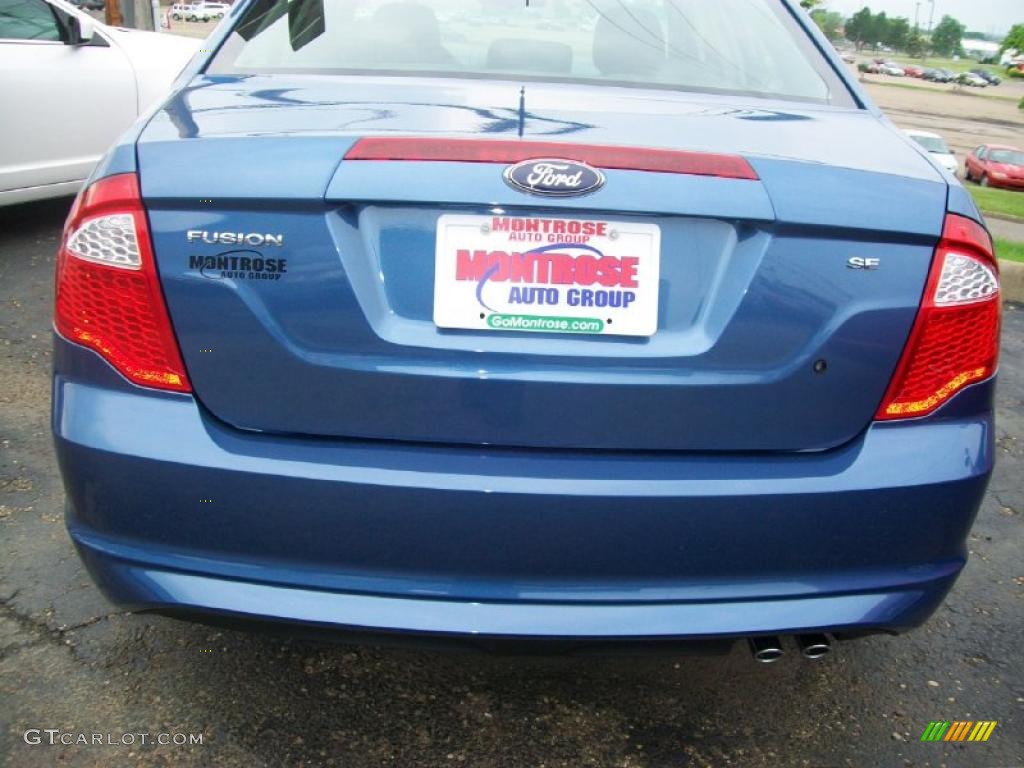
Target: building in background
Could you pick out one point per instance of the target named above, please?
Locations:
(982, 50)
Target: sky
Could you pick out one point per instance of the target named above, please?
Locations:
(992, 16)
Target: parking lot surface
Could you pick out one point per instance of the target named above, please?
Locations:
(71, 661)
(964, 118)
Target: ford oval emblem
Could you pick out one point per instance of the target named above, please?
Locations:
(554, 177)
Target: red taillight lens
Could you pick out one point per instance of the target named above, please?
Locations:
(510, 151)
(955, 339)
(108, 293)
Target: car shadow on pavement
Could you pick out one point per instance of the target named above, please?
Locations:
(281, 701)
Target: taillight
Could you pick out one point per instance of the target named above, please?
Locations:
(108, 296)
(955, 339)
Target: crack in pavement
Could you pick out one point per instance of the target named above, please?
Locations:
(1003, 504)
(39, 630)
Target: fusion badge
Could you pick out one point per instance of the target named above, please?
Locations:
(254, 239)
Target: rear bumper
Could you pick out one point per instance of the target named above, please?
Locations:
(172, 510)
(145, 586)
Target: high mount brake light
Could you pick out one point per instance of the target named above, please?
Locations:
(596, 155)
(108, 295)
(955, 339)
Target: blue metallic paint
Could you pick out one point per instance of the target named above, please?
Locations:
(119, 159)
(962, 202)
(157, 546)
(171, 590)
(352, 321)
(864, 537)
(739, 257)
(509, 541)
(269, 107)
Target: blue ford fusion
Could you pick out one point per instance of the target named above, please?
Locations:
(583, 321)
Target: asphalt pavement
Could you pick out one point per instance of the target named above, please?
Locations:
(72, 663)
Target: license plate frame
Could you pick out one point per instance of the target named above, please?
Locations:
(547, 274)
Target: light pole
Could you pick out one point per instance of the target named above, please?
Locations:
(931, 22)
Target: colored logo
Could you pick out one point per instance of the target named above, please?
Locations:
(539, 269)
(545, 324)
(547, 265)
(958, 730)
(554, 178)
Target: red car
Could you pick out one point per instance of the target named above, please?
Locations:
(913, 71)
(996, 165)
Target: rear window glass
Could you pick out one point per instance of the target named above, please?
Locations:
(734, 46)
(1007, 156)
(932, 144)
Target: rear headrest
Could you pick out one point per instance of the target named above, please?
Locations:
(629, 43)
(406, 32)
(520, 55)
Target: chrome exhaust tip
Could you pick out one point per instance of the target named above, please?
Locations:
(766, 649)
(814, 646)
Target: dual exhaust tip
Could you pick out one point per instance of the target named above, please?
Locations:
(768, 648)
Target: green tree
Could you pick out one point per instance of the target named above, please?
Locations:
(859, 27)
(897, 33)
(879, 29)
(810, 5)
(1014, 40)
(947, 36)
(881, 25)
(916, 45)
(831, 23)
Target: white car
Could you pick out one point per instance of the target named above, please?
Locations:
(971, 79)
(70, 87)
(937, 147)
(197, 11)
(218, 10)
(893, 70)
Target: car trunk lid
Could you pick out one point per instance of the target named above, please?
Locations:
(302, 286)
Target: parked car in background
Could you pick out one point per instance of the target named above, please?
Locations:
(339, 343)
(70, 86)
(939, 75)
(892, 69)
(913, 71)
(972, 80)
(988, 77)
(996, 165)
(216, 10)
(936, 147)
(191, 12)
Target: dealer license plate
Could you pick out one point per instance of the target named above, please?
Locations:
(547, 275)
